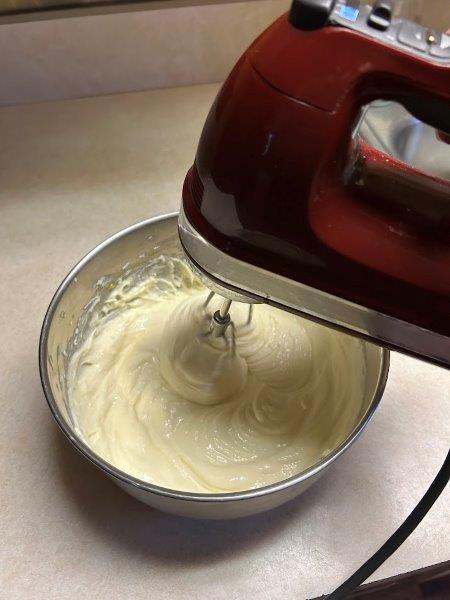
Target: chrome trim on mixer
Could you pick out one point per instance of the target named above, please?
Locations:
(222, 272)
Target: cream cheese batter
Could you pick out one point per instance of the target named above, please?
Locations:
(157, 397)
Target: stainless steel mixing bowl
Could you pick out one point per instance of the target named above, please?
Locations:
(62, 331)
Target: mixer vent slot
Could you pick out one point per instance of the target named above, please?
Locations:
(197, 187)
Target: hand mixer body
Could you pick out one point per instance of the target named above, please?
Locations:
(284, 205)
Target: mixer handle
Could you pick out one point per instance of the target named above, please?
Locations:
(404, 62)
(420, 84)
(329, 53)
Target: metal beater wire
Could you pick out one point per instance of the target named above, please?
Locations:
(225, 308)
(233, 338)
(227, 324)
(208, 299)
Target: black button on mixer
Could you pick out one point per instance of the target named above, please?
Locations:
(310, 14)
(413, 35)
(381, 14)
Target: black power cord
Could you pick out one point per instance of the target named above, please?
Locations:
(397, 538)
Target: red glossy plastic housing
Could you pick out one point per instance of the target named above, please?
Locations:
(271, 183)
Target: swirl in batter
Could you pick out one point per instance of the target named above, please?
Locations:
(157, 397)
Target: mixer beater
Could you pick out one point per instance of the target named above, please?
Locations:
(220, 322)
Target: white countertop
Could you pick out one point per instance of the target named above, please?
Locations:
(72, 173)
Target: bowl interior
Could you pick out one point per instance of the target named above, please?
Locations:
(81, 294)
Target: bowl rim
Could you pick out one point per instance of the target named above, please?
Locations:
(124, 477)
